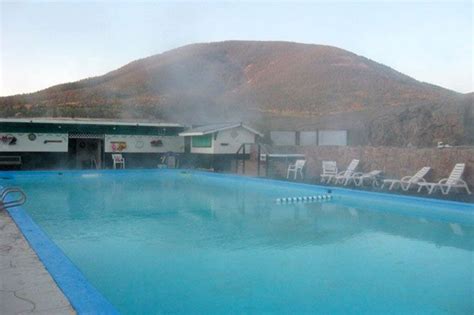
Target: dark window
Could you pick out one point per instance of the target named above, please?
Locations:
(202, 141)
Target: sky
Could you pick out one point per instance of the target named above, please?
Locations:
(47, 43)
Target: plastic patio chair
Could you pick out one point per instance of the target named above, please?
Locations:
(296, 168)
(345, 177)
(329, 171)
(373, 177)
(408, 181)
(119, 161)
(446, 184)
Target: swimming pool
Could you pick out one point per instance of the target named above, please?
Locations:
(171, 241)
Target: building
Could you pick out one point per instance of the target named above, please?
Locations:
(216, 145)
(80, 143)
(88, 143)
(219, 138)
(311, 138)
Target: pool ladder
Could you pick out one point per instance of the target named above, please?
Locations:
(13, 203)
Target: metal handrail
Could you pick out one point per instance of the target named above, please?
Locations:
(241, 148)
(242, 151)
(13, 203)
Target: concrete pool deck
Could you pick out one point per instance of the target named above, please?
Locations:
(26, 287)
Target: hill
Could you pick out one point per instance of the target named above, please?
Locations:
(275, 85)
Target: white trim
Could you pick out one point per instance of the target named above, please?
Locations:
(191, 133)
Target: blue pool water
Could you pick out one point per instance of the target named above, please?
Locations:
(182, 242)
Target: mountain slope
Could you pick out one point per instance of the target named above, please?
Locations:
(273, 84)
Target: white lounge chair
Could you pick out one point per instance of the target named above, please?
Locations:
(296, 168)
(345, 177)
(118, 161)
(372, 177)
(329, 171)
(408, 181)
(446, 184)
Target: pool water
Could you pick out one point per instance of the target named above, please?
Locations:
(183, 242)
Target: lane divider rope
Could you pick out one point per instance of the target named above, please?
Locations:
(314, 198)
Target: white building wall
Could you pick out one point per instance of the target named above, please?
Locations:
(142, 144)
(203, 150)
(44, 142)
(229, 141)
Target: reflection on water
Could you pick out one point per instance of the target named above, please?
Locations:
(219, 245)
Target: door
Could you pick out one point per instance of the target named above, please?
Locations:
(89, 153)
(187, 144)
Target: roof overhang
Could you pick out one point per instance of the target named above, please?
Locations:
(193, 132)
(73, 121)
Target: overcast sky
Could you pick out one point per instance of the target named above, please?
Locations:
(42, 44)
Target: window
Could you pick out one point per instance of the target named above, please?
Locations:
(308, 137)
(283, 137)
(202, 141)
(332, 137)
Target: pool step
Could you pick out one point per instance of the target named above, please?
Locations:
(315, 198)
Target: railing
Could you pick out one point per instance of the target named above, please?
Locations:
(14, 203)
(240, 155)
(94, 164)
(10, 160)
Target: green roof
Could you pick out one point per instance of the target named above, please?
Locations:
(91, 126)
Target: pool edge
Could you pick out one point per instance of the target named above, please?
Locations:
(81, 294)
(92, 300)
(345, 190)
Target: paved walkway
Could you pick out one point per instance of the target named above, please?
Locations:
(25, 285)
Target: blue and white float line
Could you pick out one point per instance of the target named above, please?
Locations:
(314, 198)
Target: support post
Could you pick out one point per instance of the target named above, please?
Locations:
(267, 163)
(237, 162)
(243, 162)
(258, 160)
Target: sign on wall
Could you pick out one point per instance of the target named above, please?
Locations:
(143, 144)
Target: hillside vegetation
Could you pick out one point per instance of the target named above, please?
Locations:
(274, 85)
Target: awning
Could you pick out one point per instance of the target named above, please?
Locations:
(85, 136)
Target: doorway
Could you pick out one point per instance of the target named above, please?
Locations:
(86, 153)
